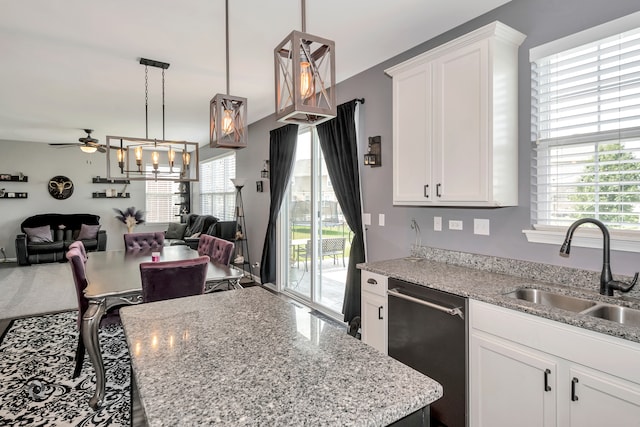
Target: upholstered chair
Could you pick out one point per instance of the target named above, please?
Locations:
(78, 244)
(77, 264)
(173, 279)
(143, 241)
(219, 250)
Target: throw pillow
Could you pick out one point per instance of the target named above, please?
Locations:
(88, 232)
(175, 231)
(39, 234)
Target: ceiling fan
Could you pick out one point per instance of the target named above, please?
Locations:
(87, 144)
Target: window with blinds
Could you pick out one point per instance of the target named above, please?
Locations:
(217, 193)
(586, 134)
(162, 203)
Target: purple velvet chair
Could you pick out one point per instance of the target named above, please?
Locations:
(78, 244)
(219, 250)
(173, 279)
(143, 241)
(77, 264)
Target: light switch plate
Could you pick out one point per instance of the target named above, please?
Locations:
(481, 226)
(366, 218)
(437, 223)
(381, 220)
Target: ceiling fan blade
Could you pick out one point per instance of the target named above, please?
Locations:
(67, 144)
(101, 149)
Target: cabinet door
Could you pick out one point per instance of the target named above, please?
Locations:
(412, 136)
(602, 399)
(373, 322)
(510, 385)
(461, 124)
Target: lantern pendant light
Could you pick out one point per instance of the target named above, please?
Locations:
(305, 78)
(228, 114)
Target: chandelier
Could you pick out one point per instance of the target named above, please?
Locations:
(144, 159)
(228, 114)
(305, 78)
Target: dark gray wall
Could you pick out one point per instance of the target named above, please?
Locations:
(541, 21)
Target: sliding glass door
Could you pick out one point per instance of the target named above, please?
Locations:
(314, 230)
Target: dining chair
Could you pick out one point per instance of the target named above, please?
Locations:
(78, 244)
(219, 250)
(77, 264)
(143, 241)
(173, 279)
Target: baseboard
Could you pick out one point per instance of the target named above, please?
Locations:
(8, 260)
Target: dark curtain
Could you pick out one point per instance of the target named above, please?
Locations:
(339, 146)
(282, 147)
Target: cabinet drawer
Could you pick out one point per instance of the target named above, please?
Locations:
(374, 283)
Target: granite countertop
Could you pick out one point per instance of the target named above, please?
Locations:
(247, 357)
(491, 287)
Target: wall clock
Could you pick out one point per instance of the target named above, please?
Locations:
(60, 187)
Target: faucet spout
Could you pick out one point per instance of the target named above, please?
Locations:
(607, 284)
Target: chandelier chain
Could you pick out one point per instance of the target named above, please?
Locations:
(163, 104)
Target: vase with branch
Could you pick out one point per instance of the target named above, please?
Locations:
(130, 217)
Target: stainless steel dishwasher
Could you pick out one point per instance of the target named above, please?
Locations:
(427, 330)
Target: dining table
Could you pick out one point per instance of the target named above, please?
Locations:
(114, 279)
(249, 357)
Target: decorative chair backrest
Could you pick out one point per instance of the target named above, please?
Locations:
(173, 279)
(219, 250)
(143, 241)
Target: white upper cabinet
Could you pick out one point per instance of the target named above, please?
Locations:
(455, 133)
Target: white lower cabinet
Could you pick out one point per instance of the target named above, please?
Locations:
(530, 371)
(374, 310)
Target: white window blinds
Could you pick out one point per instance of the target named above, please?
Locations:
(586, 133)
(162, 203)
(217, 193)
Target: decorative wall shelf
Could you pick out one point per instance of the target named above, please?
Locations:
(14, 195)
(14, 178)
(99, 195)
(98, 180)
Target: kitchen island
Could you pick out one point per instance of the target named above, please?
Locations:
(248, 357)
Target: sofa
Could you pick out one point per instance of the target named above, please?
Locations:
(46, 237)
(188, 233)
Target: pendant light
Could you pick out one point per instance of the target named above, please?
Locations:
(305, 77)
(154, 158)
(228, 114)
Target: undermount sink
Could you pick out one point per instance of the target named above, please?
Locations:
(614, 313)
(622, 315)
(551, 299)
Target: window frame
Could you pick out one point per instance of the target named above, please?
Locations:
(172, 195)
(227, 195)
(623, 240)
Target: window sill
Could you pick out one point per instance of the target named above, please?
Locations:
(628, 241)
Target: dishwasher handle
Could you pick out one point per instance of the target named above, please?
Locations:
(452, 311)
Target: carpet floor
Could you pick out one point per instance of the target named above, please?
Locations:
(36, 366)
(36, 289)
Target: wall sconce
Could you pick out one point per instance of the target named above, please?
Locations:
(373, 157)
(264, 173)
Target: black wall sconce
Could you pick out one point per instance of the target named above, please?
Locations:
(373, 157)
(264, 173)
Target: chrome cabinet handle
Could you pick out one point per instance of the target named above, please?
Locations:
(452, 311)
(574, 397)
(372, 281)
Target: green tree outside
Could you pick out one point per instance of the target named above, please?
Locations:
(617, 189)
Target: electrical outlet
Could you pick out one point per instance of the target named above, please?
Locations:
(256, 265)
(437, 223)
(455, 225)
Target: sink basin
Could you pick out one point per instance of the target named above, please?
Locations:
(551, 299)
(622, 315)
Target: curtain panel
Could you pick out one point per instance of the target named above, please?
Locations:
(338, 140)
(282, 148)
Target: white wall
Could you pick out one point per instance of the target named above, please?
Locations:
(40, 163)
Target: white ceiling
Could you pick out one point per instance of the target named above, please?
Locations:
(73, 64)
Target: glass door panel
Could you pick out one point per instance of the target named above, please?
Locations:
(316, 272)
